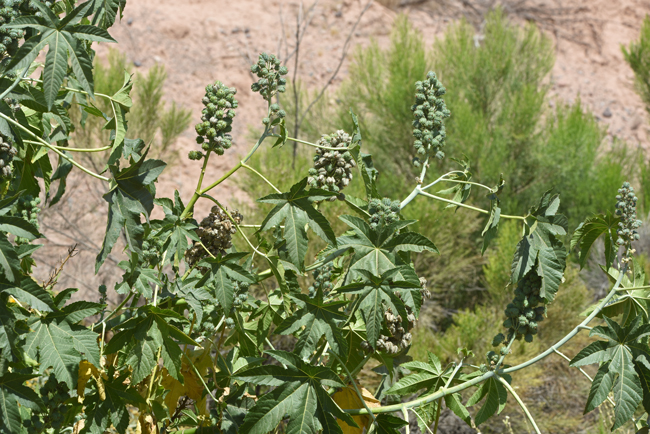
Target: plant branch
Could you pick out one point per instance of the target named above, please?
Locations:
(49, 146)
(15, 83)
(246, 166)
(521, 404)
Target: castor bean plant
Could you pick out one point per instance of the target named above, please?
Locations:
(211, 338)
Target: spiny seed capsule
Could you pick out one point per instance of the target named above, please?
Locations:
(523, 314)
(382, 212)
(216, 118)
(332, 169)
(627, 227)
(7, 154)
(271, 74)
(215, 233)
(429, 112)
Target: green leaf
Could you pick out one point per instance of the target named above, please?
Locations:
(296, 211)
(104, 12)
(628, 393)
(224, 271)
(364, 161)
(600, 388)
(589, 231)
(542, 245)
(19, 227)
(454, 403)
(29, 292)
(51, 343)
(595, 352)
(644, 377)
(111, 410)
(495, 396)
(318, 319)
(56, 66)
(13, 393)
(388, 424)
(492, 226)
(9, 262)
(130, 195)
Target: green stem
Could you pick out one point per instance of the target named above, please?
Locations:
(329, 148)
(246, 166)
(453, 202)
(521, 403)
(15, 83)
(407, 428)
(354, 384)
(64, 148)
(115, 311)
(49, 146)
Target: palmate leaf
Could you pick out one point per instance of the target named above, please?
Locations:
(300, 394)
(628, 393)
(377, 251)
(51, 343)
(13, 393)
(129, 196)
(542, 245)
(104, 12)
(224, 271)
(9, 262)
(495, 395)
(60, 36)
(388, 424)
(29, 292)
(625, 360)
(174, 232)
(364, 161)
(600, 388)
(153, 325)
(374, 293)
(101, 413)
(589, 231)
(295, 209)
(318, 319)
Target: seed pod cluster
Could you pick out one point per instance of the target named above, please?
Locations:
(423, 288)
(28, 209)
(525, 312)
(270, 72)
(241, 294)
(429, 111)
(215, 233)
(7, 154)
(13, 104)
(275, 112)
(383, 211)
(216, 118)
(627, 227)
(322, 280)
(332, 170)
(151, 249)
(9, 11)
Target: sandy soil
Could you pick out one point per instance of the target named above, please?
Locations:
(206, 40)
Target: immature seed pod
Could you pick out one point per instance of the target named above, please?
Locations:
(217, 118)
(429, 112)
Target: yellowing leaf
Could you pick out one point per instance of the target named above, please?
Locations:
(348, 399)
(192, 387)
(146, 424)
(87, 370)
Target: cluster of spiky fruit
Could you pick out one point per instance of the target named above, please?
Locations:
(151, 249)
(9, 11)
(322, 280)
(400, 337)
(525, 312)
(627, 227)
(430, 112)
(383, 211)
(216, 120)
(270, 72)
(28, 209)
(332, 169)
(7, 154)
(215, 233)
(54, 394)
